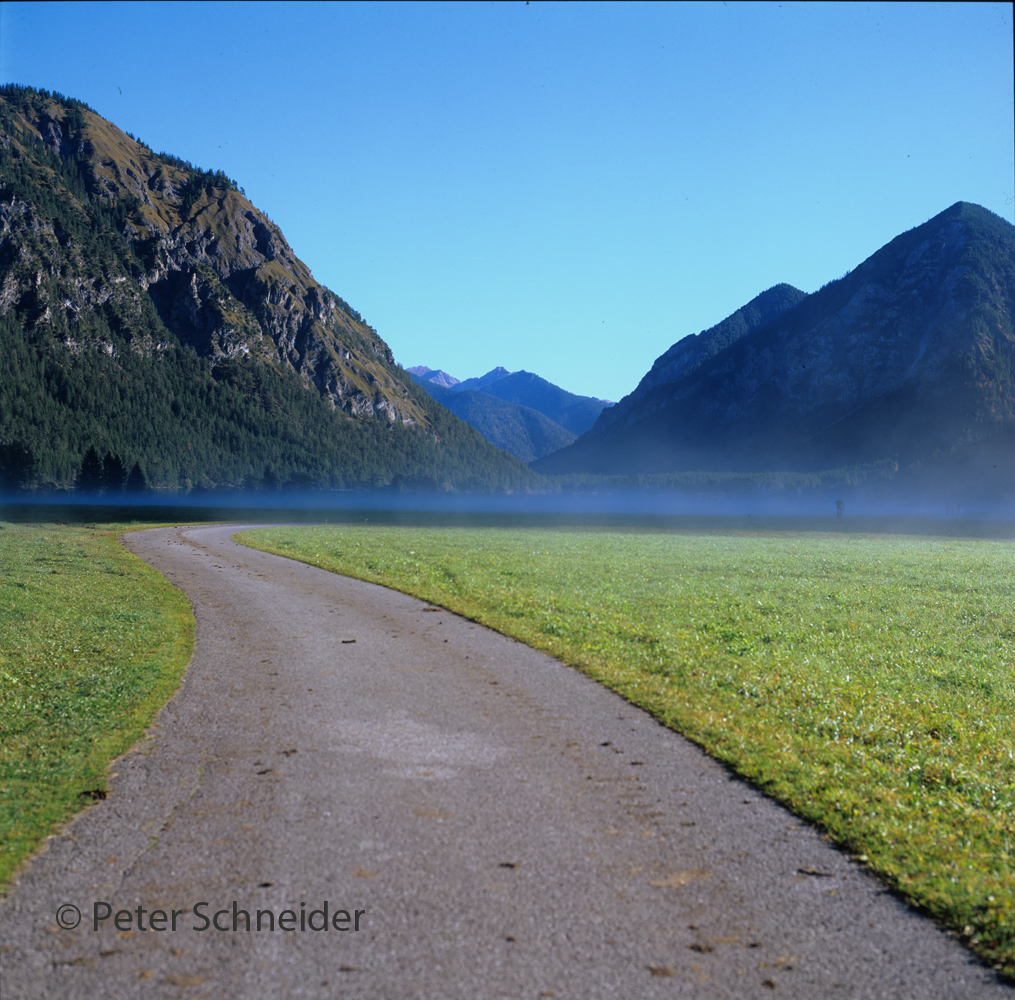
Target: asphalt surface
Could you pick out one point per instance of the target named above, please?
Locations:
(498, 825)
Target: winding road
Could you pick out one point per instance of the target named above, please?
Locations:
(496, 824)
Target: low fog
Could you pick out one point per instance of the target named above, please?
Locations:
(861, 511)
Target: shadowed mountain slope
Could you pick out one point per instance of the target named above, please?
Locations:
(689, 354)
(909, 357)
(574, 413)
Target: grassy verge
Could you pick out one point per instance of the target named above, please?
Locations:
(866, 682)
(92, 643)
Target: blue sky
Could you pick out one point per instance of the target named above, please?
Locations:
(563, 188)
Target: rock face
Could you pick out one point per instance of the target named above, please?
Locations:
(217, 272)
(909, 357)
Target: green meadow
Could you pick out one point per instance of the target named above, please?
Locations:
(92, 643)
(866, 681)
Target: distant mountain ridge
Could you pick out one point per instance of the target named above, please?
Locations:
(909, 358)
(517, 411)
(494, 375)
(574, 413)
(520, 430)
(427, 376)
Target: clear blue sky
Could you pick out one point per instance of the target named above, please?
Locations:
(564, 188)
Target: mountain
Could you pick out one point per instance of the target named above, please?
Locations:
(484, 380)
(695, 349)
(523, 432)
(517, 411)
(907, 358)
(149, 311)
(575, 413)
(427, 376)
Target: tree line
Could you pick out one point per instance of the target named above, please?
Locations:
(183, 421)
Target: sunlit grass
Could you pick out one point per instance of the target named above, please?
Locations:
(92, 643)
(865, 681)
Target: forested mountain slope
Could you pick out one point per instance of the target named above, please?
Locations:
(149, 310)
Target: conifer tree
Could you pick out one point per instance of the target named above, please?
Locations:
(137, 481)
(17, 465)
(114, 475)
(90, 478)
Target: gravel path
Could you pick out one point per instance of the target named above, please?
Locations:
(496, 823)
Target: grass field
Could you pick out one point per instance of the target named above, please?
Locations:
(865, 681)
(92, 643)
